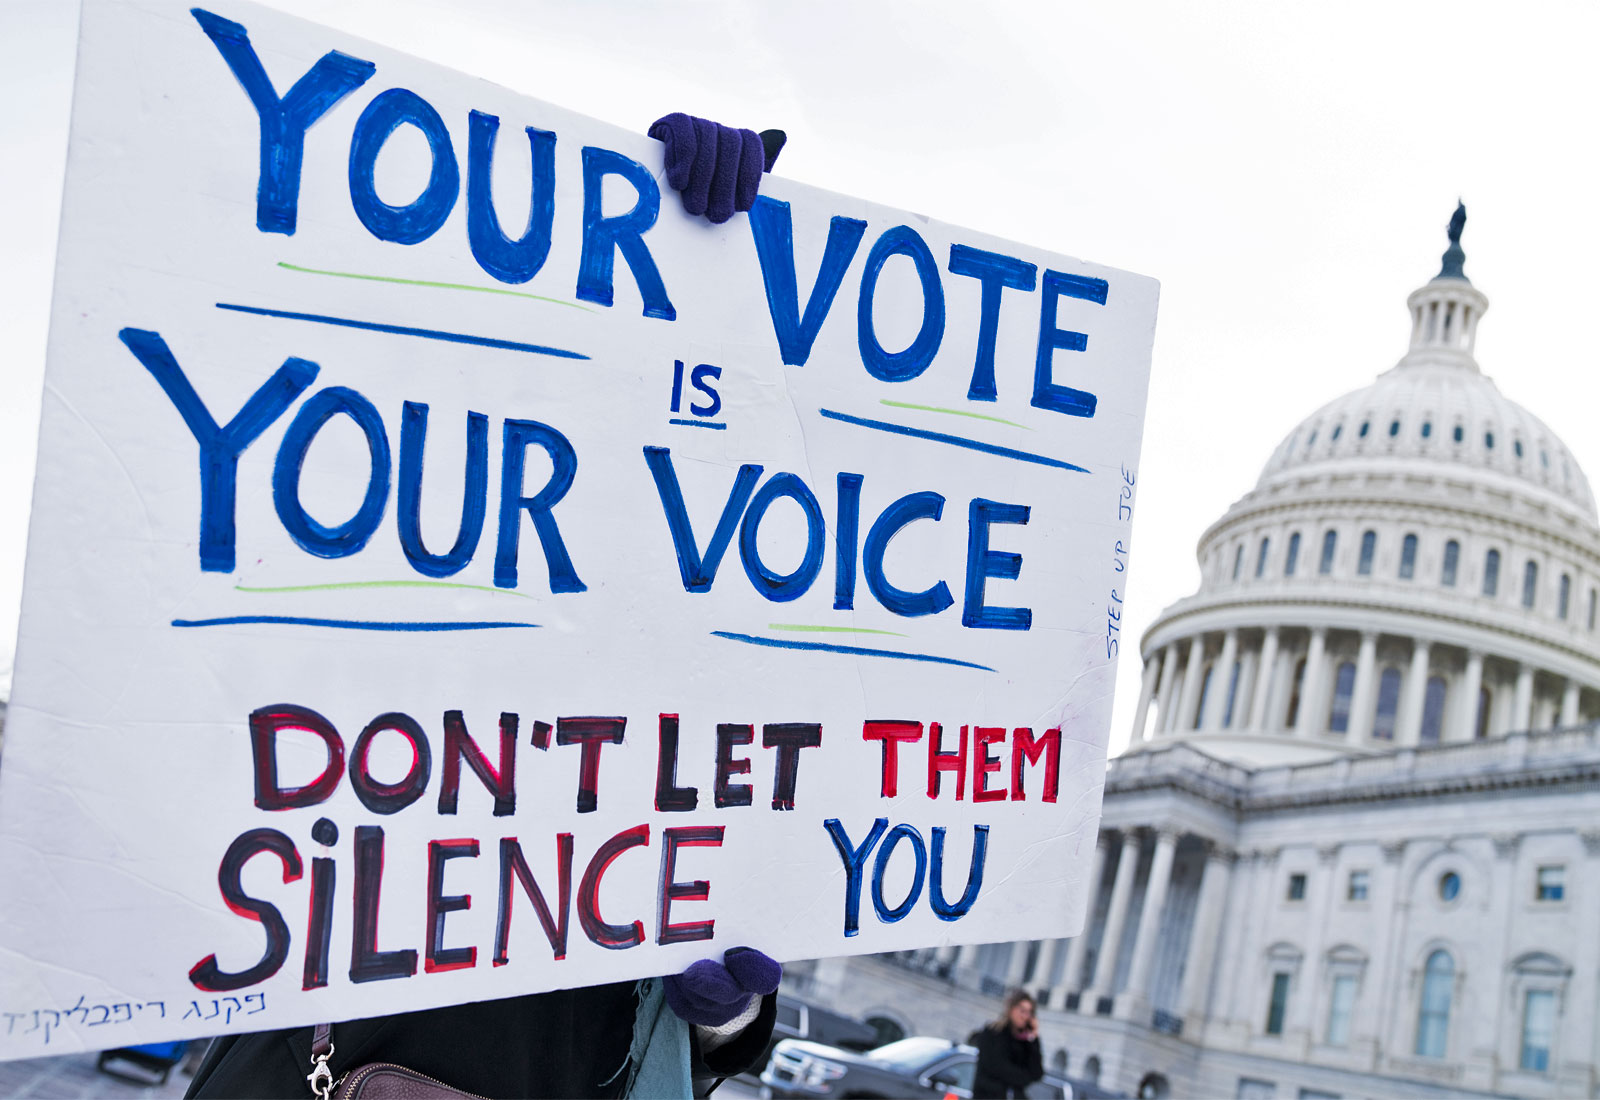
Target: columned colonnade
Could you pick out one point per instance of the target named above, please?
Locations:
(1112, 968)
(1295, 680)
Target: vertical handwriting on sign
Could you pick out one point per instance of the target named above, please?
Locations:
(1119, 562)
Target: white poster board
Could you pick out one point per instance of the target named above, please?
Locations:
(455, 572)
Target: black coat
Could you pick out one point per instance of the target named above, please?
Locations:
(1006, 1064)
(567, 1043)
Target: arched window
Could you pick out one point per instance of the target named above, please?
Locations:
(1408, 557)
(1091, 1069)
(1530, 584)
(1433, 710)
(1293, 556)
(1233, 692)
(1153, 1086)
(1565, 597)
(1388, 704)
(1294, 693)
(1330, 540)
(1491, 573)
(1452, 558)
(1480, 725)
(1261, 557)
(1433, 1016)
(1369, 544)
(1238, 560)
(1344, 685)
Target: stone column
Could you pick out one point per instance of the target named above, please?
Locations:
(961, 966)
(1259, 714)
(1577, 1027)
(1147, 689)
(1522, 707)
(1195, 995)
(1172, 686)
(1046, 990)
(1361, 701)
(1072, 977)
(1246, 946)
(1377, 1000)
(1310, 718)
(1249, 665)
(1017, 966)
(1135, 1001)
(1408, 723)
(1193, 677)
(1471, 684)
(1569, 704)
(1217, 698)
(1105, 963)
(1498, 1017)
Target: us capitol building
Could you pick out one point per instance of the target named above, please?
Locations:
(1354, 848)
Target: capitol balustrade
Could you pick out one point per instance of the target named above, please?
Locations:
(1522, 755)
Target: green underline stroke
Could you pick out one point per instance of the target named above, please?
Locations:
(379, 584)
(951, 412)
(830, 629)
(425, 282)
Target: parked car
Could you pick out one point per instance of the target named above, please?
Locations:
(921, 1067)
(798, 1019)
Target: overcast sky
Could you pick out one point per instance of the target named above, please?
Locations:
(1285, 170)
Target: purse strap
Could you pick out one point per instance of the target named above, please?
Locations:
(321, 1077)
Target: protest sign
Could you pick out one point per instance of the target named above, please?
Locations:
(455, 572)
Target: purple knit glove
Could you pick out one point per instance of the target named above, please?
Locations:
(712, 993)
(716, 168)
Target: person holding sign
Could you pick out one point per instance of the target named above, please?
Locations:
(675, 1036)
(655, 1038)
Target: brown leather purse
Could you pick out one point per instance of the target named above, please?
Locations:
(373, 1081)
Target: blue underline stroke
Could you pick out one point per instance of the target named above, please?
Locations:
(856, 651)
(953, 440)
(352, 624)
(715, 425)
(402, 330)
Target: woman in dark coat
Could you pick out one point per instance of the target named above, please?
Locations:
(1009, 1059)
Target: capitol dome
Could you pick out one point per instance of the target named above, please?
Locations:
(1419, 562)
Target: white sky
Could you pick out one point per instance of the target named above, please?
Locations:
(1286, 171)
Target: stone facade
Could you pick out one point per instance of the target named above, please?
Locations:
(1354, 849)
